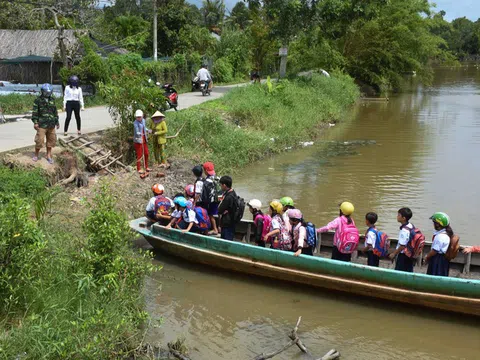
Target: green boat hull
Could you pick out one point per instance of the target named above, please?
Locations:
(453, 294)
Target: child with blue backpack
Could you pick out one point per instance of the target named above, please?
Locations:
(371, 239)
(299, 233)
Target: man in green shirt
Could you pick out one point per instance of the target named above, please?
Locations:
(45, 120)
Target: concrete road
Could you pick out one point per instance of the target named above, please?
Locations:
(21, 134)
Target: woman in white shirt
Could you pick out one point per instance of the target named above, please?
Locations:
(72, 102)
(438, 265)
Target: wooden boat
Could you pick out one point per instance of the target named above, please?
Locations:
(453, 294)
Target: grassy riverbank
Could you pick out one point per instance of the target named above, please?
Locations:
(16, 104)
(68, 289)
(255, 121)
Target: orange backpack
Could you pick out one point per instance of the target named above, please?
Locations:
(453, 248)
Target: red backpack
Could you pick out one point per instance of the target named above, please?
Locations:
(349, 237)
(415, 244)
(267, 220)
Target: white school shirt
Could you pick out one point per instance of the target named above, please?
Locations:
(441, 241)
(198, 187)
(73, 94)
(404, 236)
(204, 75)
(371, 238)
(189, 216)
(151, 204)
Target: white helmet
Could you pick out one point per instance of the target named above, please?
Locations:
(139, 113)
(255, 204)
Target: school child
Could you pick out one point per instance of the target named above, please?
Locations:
(345, 240)
(282, 239)
(198, 172)
(370, 239)
(159, 129)
(299, 233)
(140, 135)
(159, 206)
(210, 201)
(262, 222)
(438, 264)
(176, 213)
(404, 262)
(287, 203)
(190, 192)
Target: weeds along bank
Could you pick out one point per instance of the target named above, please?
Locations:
(254, 121)
(67, 291)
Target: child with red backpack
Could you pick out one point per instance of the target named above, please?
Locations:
(159, 206)
(345, 240)
(262, 222)
(410, 242)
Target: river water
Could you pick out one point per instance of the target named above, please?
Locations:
(424, 156)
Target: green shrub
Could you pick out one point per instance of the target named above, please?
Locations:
(24, 183)
(222, 70)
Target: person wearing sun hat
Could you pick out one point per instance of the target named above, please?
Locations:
(159, 128)
(210, 201)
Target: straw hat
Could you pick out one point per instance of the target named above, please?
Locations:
(157, 114)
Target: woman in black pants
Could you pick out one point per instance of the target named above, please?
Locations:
(73, 101)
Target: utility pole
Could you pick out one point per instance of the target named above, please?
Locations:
(283, 52)
(155, 45)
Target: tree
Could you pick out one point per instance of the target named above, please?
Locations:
(240, 16)
(213, 13)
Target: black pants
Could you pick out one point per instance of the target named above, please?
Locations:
(373, 260)
(307, 251)
(337, 255)
(75, 107)
(404, 263)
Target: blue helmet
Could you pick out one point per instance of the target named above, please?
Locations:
(46, 90)
(181, 201)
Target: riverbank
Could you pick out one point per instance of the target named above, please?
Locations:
(80, 288)
(252, 122)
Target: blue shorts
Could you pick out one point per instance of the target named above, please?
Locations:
(151, 215)
(212, 209)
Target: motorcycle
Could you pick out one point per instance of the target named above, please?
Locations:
(204, 87)
(171, 95)
(195, 84)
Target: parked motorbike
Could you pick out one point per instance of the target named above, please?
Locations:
(171, 96)
(204, 88)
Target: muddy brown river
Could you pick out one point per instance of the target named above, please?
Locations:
(419, 150)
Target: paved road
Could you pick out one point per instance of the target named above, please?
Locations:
(21, 134)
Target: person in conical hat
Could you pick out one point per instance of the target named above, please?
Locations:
(159, 128)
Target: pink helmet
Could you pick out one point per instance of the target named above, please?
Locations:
(295, 214)
(190, 190)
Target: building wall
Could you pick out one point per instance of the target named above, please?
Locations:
(30, 73)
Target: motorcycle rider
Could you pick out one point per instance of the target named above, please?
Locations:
(204, 75)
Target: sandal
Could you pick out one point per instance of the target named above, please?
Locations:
(141, 172)
(149, 170)
(35, 159)
(65, 134)
(50, 161)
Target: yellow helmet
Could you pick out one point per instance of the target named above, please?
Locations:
(347, 208)
(276, 206)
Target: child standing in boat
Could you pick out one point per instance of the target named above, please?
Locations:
(282, 239)
(299, 233)
(288, 204)
(345, 240)
(262, 221)
(370, 239)
(404, 263)
(438, 264)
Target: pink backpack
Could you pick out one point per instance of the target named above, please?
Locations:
(348, 239)
(267, 220)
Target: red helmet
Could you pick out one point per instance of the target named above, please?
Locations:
(190, 190)
(158, 189)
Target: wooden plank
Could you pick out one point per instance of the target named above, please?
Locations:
(468, 261)
(71, 140)
(83, 145)
(249, 233)
(110, 163)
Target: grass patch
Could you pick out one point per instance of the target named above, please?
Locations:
(254, 121)
(16, 104)
(67, 292)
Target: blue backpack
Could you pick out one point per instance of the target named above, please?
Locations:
(311, 234)
(382, 243)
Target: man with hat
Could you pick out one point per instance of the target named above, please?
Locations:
(159, 129)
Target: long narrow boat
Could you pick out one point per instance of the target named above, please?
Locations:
(461, 295)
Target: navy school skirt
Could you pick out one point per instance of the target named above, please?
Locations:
(438, 266)
(337, 255)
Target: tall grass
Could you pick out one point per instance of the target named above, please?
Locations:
(254, 121)
(65, 295)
